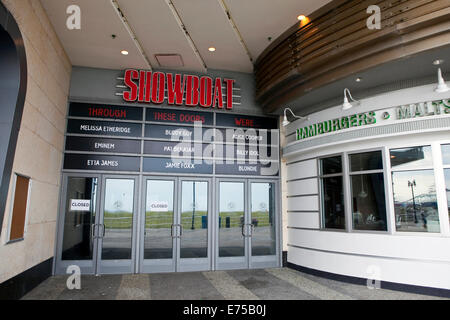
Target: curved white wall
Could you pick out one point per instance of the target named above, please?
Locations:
(403, 257)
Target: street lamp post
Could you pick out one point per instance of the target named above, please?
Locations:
(412, 184)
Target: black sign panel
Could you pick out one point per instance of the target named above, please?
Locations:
(170, 165)
(250, 136)
(103, 145)
(252, 169)
(101, 162)
(178, 116)
(104, 111)
(184, 149)
(233, 120)
(104, 128)
(159, 131)
(252, 151)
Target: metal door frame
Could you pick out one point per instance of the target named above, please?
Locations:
(248, 261)
(156, 265)
(229, 263)
(118, 265)
(194, 264)
(86, 266)
(271, 261)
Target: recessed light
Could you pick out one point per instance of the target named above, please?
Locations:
(359, 79)
(124, 52)
(438, 62)
(212, 49)
(301, 17)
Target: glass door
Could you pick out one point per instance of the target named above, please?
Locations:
(231, 225)
(117, 225)
(176, 226)
(246, 224)
(77, 225)
(263, 238)
(158, 227)
(193, 220)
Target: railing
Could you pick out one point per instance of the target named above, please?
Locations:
(335, 42)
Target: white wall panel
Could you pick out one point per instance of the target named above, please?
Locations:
(303, 220)
(420, 273)
(304, 169)
(299, 187)
(307, 203)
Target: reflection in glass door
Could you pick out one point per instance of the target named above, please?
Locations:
(176, 231)
(263, 234)
(158, 226)
(193, 220)
(117, 226)
(246, 224)
(76, 236)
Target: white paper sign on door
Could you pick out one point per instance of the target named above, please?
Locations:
(80, 205)
(159, 206)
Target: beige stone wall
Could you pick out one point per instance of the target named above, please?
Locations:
(41, 137)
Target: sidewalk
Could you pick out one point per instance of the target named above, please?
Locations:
(256, 284)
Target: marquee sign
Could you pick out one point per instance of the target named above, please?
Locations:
(177, 89)
(115, 138)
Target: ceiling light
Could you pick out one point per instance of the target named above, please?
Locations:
(442, 86)
(438, 62)
(301, 17)
(359, 79)
(212, 49)
(286, 121)
(124, 52)
(347, 105)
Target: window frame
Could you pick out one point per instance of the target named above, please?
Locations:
(436, 164)
(320, 177)
(383, 170)
(11, 209)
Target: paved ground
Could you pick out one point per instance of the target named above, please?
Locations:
(276, 284)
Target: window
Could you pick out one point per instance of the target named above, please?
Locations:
(415, 201)
(332, 193)
(446, 162)
(367, 190)
(19, 209)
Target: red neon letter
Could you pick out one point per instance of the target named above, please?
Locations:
(205, 92)
(191, 90)
(132, 94)
(175, 89)
(229, 83)
(159, 82)
(218, 93)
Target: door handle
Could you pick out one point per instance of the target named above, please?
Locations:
(103, 227)
(171, 231)
(242, 230)
(93, 231)
(181, 230)
(252, 228)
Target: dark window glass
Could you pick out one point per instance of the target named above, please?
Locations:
(415, 201)
(366, 161)
(447, 188)
(331, 165)
(369, 205)
(411, 158)
(446, 153)
(78, 242)
(333, 215)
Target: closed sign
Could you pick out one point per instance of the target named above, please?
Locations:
(80, 205)
(159, 206)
